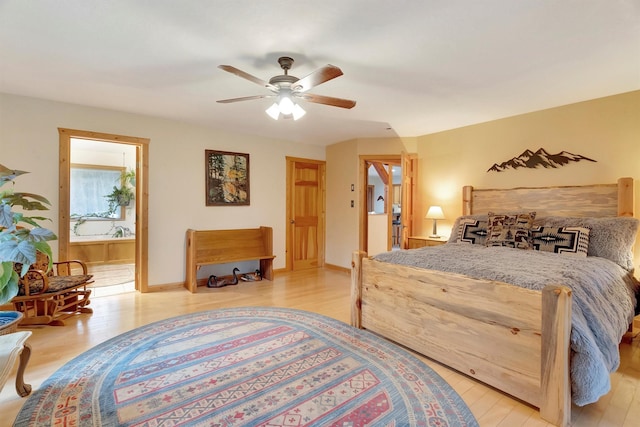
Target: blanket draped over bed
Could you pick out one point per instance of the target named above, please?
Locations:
(602, 293)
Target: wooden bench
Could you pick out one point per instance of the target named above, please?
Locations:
(206, 247)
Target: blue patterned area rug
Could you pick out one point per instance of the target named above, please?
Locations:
(252, 366)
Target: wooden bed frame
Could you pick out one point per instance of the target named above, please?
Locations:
(511, 338)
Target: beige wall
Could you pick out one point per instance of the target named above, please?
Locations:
(606, 130)
(29, 141)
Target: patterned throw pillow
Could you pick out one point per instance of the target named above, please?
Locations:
(612, 238)
(561, 240)
(472, 231)
(511, 230)
(455, 230)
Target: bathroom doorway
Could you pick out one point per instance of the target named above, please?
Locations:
(103, 214)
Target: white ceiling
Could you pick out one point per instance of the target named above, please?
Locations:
(413, 66)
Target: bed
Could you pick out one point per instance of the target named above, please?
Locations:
(515, 339)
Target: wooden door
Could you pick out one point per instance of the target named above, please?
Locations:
(306, 213)
(409, 178)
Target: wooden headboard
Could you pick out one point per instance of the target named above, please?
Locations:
(598, 200)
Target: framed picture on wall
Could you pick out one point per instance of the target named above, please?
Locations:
(227, 178)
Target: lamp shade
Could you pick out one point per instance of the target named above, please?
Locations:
(297, 112)
(273, 111)
(435, 212)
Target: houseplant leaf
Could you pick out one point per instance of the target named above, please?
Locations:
(19, 243)
(8, 282)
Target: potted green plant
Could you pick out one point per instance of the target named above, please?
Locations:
(21, 236)
(123, 194)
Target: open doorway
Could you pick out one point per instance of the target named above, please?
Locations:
(103, 207)
(384, 204)
(380, 228)
(103, 213)
(386, 214)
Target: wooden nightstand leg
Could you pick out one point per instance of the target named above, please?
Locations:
(22, 388)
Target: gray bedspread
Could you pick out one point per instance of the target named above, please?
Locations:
(602, 293)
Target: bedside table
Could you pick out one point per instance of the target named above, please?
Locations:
(419, 241)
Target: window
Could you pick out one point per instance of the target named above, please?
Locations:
(89, 186)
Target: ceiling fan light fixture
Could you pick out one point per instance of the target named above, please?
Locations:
(273, 111)
(298, 111)
(286, 105)
(285, 108)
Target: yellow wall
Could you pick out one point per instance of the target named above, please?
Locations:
(343, 160)
(606, 130)
(342, 171)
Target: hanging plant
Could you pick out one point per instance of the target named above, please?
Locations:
(122, 195)
(129, 177)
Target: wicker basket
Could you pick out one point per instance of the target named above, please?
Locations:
(9, 321)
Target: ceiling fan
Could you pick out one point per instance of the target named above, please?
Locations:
(287, 89)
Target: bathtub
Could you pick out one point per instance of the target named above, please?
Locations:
(95, 250)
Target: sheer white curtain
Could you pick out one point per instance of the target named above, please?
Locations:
(88, 190)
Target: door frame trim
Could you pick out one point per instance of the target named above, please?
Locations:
(363, 180)
(141, 200)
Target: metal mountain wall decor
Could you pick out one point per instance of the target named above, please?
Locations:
(533, 160)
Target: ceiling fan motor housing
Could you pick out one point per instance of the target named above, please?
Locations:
(284, 80)
(285, 63)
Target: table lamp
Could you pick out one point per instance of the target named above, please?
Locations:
(435, 213)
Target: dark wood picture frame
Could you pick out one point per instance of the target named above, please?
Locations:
(226, 178)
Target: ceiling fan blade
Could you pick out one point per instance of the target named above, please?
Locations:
(316, 78)
(328, 100)
(247, 76)
(244, 98)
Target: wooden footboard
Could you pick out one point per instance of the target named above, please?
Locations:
(514, 339)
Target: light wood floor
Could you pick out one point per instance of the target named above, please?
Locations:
(323, 291)
(105, 275)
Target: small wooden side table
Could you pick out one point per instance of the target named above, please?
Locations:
(11, 346)
(415, 242)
